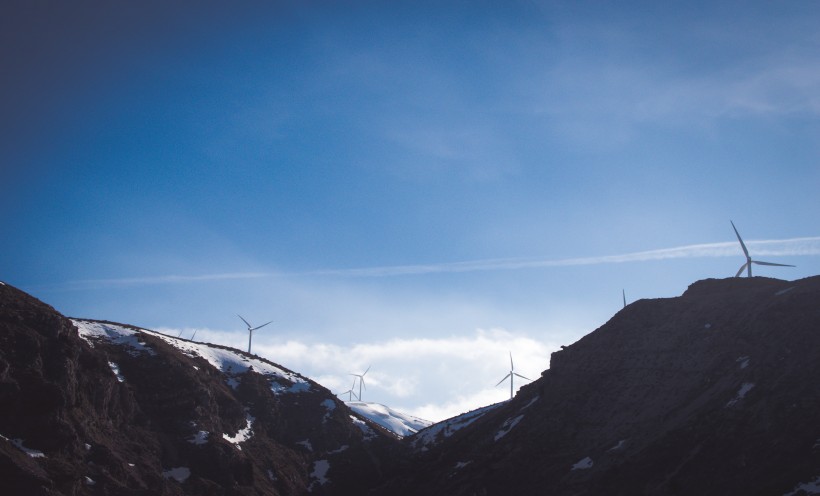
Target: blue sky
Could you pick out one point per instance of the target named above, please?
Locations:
(416, 176)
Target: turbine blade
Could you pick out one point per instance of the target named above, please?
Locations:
(502, 380)
(263, 325)
(521, 376)
(366, 371)
(771, 263)
(243, 320)
(742, 245)
(512, 367)
(740, 270)
(361, 381)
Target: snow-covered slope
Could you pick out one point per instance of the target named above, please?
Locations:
(446, 428)
(229, 361)
(399, 423)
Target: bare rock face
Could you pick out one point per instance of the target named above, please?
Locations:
(715, 392)
(123, 410)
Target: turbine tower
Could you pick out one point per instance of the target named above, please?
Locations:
(623, 293)
(510, 375)
(361, 381)
(749, 261)
(251, 329)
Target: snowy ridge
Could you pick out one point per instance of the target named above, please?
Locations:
(446, 428)
(398, 423)
(231, 362)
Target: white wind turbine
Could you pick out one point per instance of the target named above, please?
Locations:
(251, 329)
(510, 375)
(350, 393)
(749, 261)
(361, 382)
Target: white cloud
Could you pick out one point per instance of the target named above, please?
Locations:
(432, 378)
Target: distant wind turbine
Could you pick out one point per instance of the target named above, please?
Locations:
(510, 375)
(194, 334)
(351, 394)
(361, 381)
(251, 329)
(749, 261)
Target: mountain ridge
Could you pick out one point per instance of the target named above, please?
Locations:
(711, 392)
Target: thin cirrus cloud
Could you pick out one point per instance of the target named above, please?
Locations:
(806, 246)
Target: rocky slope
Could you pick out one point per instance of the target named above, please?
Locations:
(715, 392)
(101, 408)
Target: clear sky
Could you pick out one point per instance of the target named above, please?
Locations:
(417, 186)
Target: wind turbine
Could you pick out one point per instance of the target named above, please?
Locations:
(350, 393)
(510, 375)
(361, 381)
(251, 329)
(749, 261)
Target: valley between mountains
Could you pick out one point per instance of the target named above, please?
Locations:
(714, 392)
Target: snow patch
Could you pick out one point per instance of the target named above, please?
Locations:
(89, 481)
(617, 446)
(306, 444)
(200, 437)
(243, 434)
(745, 388)
(329, 405)
(179, 474)
(529, 404)
(583, 464)
(229, 361)
(707, 326)
(783, 291)
(271, 475)
(507, 427)
(97, 331)
(320, 468)
(339, 450)
(369, 433)
(116, 369)
(812, 487)
(396, 422)
(743, 361)
(447, 428)
(18, 443)
(461, 465)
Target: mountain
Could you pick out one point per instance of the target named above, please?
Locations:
(398, 423)
(715, 392)
(90, 407)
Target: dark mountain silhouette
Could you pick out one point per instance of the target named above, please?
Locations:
(125, 412)
(715, 392)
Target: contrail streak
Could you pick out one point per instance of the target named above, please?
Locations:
(780, 247)
(775, 247)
